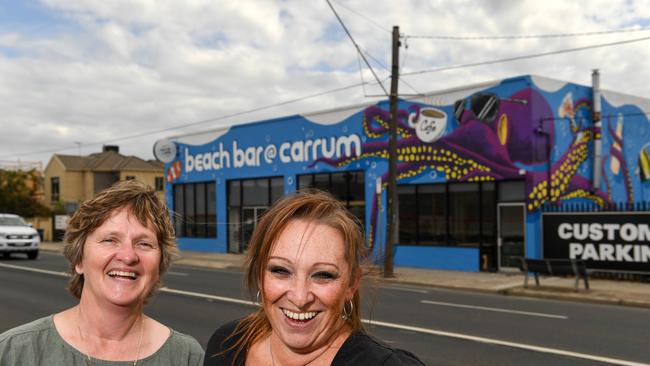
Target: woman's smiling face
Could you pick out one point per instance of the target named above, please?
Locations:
(306, 282)
(121, 261)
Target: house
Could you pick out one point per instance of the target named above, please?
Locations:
(72, 179)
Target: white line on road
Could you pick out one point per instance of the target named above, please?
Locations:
(560, 352)
(177, 273)
(474, 307)
(407, 289)
(37, 270)
(613, 361)
(207, 296)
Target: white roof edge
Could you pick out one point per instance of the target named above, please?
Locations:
(323, 116)
(438, 97)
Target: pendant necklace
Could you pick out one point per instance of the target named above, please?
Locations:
(89, 360)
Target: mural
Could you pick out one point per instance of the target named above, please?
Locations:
(517, 129)
(492, 138)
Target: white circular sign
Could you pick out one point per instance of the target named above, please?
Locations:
(164, 150)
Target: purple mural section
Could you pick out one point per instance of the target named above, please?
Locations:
(489, 138)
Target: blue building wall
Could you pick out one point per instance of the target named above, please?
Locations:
(437, 144)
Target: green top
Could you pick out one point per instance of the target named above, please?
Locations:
(39, 343)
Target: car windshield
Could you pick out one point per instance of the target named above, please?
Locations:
(12, 221)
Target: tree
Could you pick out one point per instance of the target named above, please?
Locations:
(18, 193)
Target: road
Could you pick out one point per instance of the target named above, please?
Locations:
(442, 327)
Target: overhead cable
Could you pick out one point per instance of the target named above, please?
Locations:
(177, 127)
(357, 47)
(375, 23)
(524, 57)
(530, 36)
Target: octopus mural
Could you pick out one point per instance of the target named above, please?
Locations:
(491, 138)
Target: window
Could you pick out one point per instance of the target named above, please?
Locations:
(54, 184)
(195, 214)
(346, 186)
(130, 177)
(464, 214)
(454, 214)
(248, 199)
(159, 183)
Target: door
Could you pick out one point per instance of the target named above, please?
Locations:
(250, 216)
(511, 234)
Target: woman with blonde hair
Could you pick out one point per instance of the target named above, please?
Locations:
(118, 244)
(304, 265)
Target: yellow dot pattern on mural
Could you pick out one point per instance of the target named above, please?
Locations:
(400, 131)
(561, 178)
(581, 193)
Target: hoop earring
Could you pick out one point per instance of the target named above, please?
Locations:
(258, 297)
(347, 314)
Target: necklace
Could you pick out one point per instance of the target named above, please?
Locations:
(89, 360)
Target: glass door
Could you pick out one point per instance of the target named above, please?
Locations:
(512, 234)
(249, 218)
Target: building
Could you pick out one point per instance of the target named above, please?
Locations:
(72, 179)
(478, 167)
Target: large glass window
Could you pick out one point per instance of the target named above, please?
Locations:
(454, 214)
(408, 214)
(488, 213)
(195, 214)
(248, 199)
(464, 214)
(432, 215)
(346, 186)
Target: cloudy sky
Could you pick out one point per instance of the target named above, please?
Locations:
(76, 74)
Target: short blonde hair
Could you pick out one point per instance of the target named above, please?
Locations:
(141, 201)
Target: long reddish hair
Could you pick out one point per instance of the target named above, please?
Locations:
(312, 206)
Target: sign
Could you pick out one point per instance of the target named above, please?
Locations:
(606, 240)
(238, 155)
(61, 222)
(164, 150)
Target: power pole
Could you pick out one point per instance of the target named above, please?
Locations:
(392, 237)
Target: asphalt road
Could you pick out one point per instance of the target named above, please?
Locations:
(442, 327)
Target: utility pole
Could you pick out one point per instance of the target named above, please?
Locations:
(391, 239)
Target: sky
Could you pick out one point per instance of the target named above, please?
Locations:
(78, 74)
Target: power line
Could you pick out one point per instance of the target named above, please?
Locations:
(518, 58)
(387, 69)
(530, 36)
(375, 23)
(151, 132)
(356, 46)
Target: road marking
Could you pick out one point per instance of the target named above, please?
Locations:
(407, 289)
(37, 270)
(529, 347)
(207, 296)
(177, 273)
(507, 286)
(543, 315)
(441, 333)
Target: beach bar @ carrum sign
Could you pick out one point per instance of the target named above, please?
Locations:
(606, 240)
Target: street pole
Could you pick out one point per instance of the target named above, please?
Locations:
(391, 239)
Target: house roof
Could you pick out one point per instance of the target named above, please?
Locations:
(108, 161)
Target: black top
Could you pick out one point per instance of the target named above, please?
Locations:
(358, 349)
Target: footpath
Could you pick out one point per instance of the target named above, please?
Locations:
(614, 292)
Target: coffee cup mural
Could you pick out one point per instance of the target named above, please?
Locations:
(429, 124)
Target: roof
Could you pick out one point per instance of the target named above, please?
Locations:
(108, 161)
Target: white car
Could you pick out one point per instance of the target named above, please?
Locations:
(17, 236)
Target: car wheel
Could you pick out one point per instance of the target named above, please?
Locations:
(32, 254)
